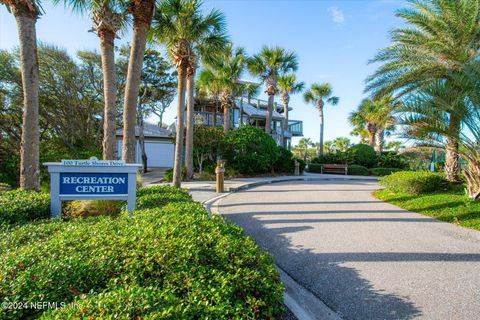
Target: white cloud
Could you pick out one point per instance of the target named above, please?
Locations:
(336, 14)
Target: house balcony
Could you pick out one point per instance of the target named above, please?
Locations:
(295, 127)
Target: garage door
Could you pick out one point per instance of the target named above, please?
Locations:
(159, 154)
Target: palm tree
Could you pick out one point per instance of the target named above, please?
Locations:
(251, 90)
(302, 147)
(269, 64)
(318, 94)
(26, 13)
(223, 74)
(428, 116)
(180, 25)
(342, 144)
(328, 146)
(288, 85)
(142, 13)
(108, 19)
(376, 117)
(209, 38)
(441, 38)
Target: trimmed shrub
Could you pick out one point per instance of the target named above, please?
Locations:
(357, 170)
(392, 160)
(22, 206)
(176, 262)
(362, 154)
(250, 150)
(413, 182)
(285, 162)
(314, 167)
(331, 158)
(5, 187)
(159, 196)
(380, 172)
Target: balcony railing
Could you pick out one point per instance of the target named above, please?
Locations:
(295, 127)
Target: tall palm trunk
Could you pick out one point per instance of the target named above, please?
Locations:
(452, 167)
(190, 120)
(29, 148)
(107, 38)
(286, 100)
(320, 111)
(372, 132)
(271, 101)
(141, 141)
(225, 102)
(142, 11)
(177, 168)
(379, 140)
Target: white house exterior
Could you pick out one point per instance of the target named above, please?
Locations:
(159, 146)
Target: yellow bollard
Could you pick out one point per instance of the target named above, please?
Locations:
(220, 172)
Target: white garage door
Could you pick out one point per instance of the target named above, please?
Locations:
(159, 154)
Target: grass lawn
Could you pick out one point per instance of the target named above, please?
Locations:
(441, 205)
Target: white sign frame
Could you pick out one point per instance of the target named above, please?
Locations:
(55, 168)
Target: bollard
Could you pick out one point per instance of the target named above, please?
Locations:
(297, 168)
(220, 172)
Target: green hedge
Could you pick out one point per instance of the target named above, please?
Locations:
(22, 206)
(362, 154)
(357, 170)
(414, 182)
(250, 150)
(380, 172)
(315, 168)
(176, 262)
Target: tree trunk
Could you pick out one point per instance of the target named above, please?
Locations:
(268, 119)
(142, 16)
(286, 100)
(320, 148)
(379, 140)
(226, 115)
(107, 38)
(141, 140)
(177, 168)
(190, 120)
(452, 167)
(372, 132)
(29, 147)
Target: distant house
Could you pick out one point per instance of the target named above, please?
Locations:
(159, 146)
(248, 111)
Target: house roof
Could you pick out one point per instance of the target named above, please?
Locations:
(150, 131)
(255, 112)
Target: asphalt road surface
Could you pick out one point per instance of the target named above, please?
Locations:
(363, 258)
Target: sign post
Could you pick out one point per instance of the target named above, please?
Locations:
(91, 180)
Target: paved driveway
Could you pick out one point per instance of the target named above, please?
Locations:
(364, 258)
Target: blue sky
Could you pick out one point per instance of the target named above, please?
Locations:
(333, 39)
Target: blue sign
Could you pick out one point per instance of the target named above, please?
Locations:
(93, 183)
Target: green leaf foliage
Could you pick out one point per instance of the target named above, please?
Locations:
(285, 162)
(18, 206)
(380, 172)
(358, 170)
(170, 262)
(250, 150)
(414, 182)
(363, 155)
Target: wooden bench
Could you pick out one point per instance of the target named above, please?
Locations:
(335, 168)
